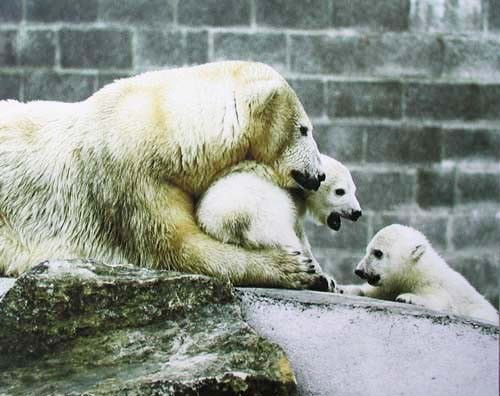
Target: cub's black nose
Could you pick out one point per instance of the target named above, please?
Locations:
(360, 273)
(355, 215)
(321, 177)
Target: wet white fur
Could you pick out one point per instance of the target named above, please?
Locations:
(115, 177)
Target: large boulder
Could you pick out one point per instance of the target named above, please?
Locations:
(350, 346)
(82, 327)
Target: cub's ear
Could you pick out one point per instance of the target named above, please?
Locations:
(417, 252)
(258, 94)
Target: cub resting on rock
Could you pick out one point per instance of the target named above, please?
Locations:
(249, 207)
(115, 177)
(401, 265)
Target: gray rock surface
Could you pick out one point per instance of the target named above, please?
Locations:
(347, 346)
(80, 327)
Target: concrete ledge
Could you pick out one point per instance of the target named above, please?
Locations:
(340, 345)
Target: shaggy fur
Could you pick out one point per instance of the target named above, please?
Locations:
(401, 265)
(115, 177)
(249, 207)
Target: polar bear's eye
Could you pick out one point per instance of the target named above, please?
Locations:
(377, 253)
(340, 191)
(303, 130)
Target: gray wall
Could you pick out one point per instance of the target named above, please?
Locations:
(405, 92)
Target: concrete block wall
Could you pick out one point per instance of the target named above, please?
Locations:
(405, 92)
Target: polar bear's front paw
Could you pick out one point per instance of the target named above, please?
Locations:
(301, 272)
(408, 298)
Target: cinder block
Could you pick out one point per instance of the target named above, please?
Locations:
(494, 15)
(8, 47)
(364, 99)
(475, 57)
(10, 10)
(388, 54)
(308, 14)
(403, 144)
(41, 85)
(342, 142)
(481, 269)
(311, 94)
(159, 48)
(476, 229)
(214, 12)
(380, 221)
(196, 47)
(269, 48)
(490, 101)
(171, 48)
(435, 188)
(105, 78)
(149, 12)
(443, 101)
(388, 15)
(434, 227)
(61, 10)
(96, 48)
(471, 143)
(10, 86)
(450, 16)
(37, 48)
(352, 236)
(384, 190)
(478, 187)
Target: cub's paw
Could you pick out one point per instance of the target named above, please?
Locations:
(351, 290)
(408, 298)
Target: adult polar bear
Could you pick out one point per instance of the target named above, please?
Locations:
(115, 177)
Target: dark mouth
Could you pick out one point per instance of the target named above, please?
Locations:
(306, 182)
(334, 221)
(373, 280)
(352, 216)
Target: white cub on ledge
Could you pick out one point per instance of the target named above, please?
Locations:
(401, 265)
(249, 207)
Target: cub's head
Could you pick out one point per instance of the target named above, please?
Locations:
(279, 131)
(336, 197)
(393, 253)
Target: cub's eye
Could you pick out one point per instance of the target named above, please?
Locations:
(303, 130)
(340, 191)
(378, 253)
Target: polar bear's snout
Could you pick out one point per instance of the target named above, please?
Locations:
(370, 278)
(307, 181)
(355, 215)
(367, 274)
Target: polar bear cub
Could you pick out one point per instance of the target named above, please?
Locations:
(400, 264)
(248, 207)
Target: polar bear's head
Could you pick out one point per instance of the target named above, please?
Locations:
(279, 130)
(335, 198)
(393, 253)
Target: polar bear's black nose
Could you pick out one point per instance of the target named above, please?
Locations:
(360, 273)
(306, 181)
(355, 215)
(321, 177)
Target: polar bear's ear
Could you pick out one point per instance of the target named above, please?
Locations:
(260, 93)
(417, 252)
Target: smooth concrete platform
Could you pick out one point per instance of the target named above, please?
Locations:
(346, 346)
